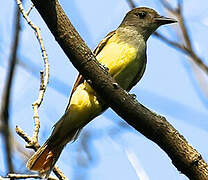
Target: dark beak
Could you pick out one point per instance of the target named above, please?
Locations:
(164, 20)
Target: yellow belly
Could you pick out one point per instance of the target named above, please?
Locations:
(84, 102)
(122, 63)
(121, 60)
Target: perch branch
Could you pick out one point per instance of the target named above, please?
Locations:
(25, 176)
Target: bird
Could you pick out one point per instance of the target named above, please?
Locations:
(123, 53)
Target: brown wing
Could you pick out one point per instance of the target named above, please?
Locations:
(103, 43)
(80, 78)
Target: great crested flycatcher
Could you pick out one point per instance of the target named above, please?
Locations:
(123, 52)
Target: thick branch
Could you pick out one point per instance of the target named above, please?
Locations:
(187, 49)
(5, 106)
(184, 156)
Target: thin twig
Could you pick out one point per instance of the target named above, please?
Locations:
(36, 105)
(59, 173)
(5, 106)
(44, 78)
(183, 28)
(174, 44)
(35, 147)
(30, 9)
(167, 5)
(44, 81)
(27, 139)
(25, 176)
(187, 48)
(179, 14)
(183, 49)
(2, 178)
(131, 4)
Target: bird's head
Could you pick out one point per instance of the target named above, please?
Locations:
(145, 20)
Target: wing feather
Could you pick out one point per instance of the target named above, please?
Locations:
(80, 78)
(138, 75)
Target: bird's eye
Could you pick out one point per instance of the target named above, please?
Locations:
(142, 15)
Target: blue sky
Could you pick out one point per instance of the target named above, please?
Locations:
(168, 87)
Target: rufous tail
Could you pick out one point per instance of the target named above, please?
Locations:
(44, 159)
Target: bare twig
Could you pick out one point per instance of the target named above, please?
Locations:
(187, 48)
(27, 139)
(5, 106)
(2, 178)
(35, 147)
(167, 5)
(184, 50)
(36, 105)
(25, 176)
(59, 173)
(131, 4)
(179, 14)
(30, 9)
(174, 44)
(44, 80)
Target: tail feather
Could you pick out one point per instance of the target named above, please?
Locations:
(44, 159)
(46, 156)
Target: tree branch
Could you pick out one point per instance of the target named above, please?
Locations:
(187, 48)
(35, 147)
(44, 76)
(5, 106)
(153, 126)
(26, 176)
(131, 4)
